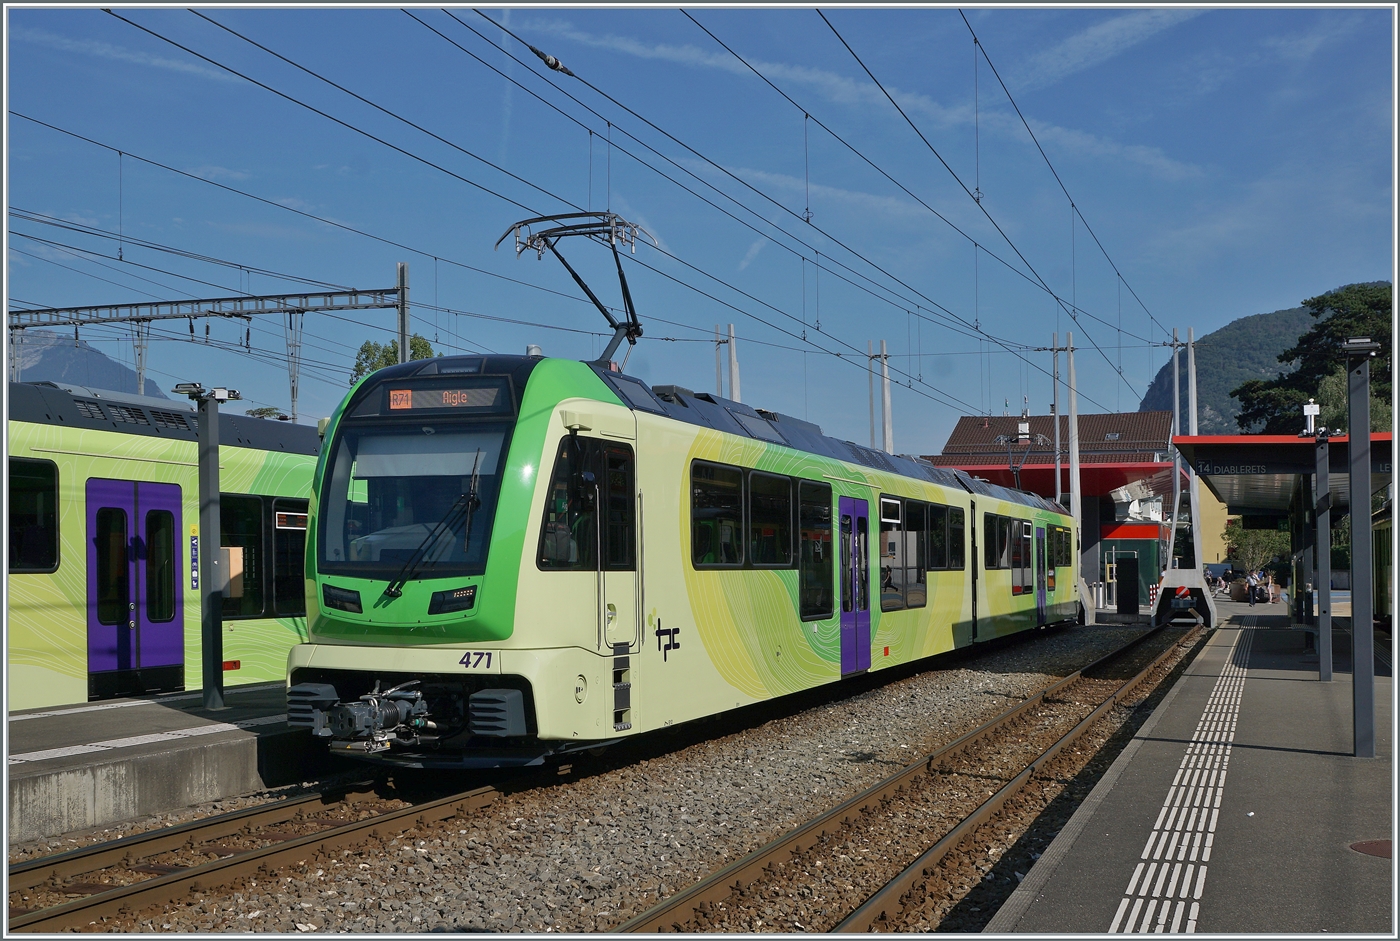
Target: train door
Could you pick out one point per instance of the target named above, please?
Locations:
(855, 585)
(617, 498)
(135, 622)
(1040, 584)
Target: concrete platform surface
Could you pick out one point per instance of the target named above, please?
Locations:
(92, 764)
(1235, 807)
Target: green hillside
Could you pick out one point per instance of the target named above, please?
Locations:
(1243, 349)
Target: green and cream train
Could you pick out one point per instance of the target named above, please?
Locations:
(102, 596)
(511, 557)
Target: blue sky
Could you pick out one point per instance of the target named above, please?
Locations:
(1228, 162)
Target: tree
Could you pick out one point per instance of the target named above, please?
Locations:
(266, 411)
(374, 356)
(1256, 548)
(1275, 406)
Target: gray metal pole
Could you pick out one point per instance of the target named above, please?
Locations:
(719, 365)
(870, 385)
(1322, 508)
(1363, 664)
(1191, 419)
(212, 571)
(1176, 455)
(1055, 410)
(733, 367)
(1075, 509)
(885, 398)
(403, 311)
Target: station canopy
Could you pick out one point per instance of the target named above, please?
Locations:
(1264, 474)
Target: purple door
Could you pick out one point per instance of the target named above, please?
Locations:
(135, 599)
(855, 585)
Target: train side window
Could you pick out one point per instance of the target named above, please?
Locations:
(847, 587)
(716, 515)
(1003, 542)
(915, 554)
(1027, 568)
(160, 565)
(113, 578)
(241, 533)
(1017, 560)
(892, 555)
(33, 515)
(289, 557)
(938, 537)
(770, 520)
(814, 553)
(989, 541)
(956, 554)
(620, 530)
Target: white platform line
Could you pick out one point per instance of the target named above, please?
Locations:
(171, 736)
(1188, 815)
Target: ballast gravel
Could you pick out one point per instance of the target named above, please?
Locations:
(588, 854)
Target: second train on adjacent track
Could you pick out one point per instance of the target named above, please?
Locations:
(512, 557)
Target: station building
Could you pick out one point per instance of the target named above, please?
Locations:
(1125, 472)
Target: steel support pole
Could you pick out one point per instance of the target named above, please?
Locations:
(1176, 455)
(885, 398)
(403, 311)
(1322, 509)
(1191, 420)
(733, 367)
(1055, 410)
(1075, 509)
(719, 365)
(1363, 664)
(212, 571)
(870, 386)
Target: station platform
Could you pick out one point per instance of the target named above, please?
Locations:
(1236, 808)
(92, 764)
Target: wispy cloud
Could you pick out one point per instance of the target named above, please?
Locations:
(752, 253)
(103, 50)
(1302, 46)
(869, 202)
(218, 173)
(840, 89)
(1089, 47)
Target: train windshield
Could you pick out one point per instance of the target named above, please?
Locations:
(410, 500)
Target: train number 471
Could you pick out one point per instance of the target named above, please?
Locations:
(476, 658)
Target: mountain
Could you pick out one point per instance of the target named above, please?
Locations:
(45, 355)
(1243, 349)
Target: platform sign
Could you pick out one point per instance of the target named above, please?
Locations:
(194, 558)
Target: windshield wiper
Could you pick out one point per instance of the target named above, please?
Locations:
(461, 507)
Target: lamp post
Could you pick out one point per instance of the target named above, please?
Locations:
(1359, 353)
(1322, 513)
(213, 574)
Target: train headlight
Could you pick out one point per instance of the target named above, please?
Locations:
(342, 599)
(456, 599)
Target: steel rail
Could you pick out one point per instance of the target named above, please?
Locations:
(675, 912)
(129, 899)
(886, 904)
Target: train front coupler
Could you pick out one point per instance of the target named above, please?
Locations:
(371, 724)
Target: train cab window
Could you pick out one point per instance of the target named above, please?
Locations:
(938, 537)
(33, 515)
(770, 520)
(289, 557)
(568, 535)
(589, 474)
(716, 515)
(241, 534)
(112, 577)
(915, 554)
(814, 565)
(956, 554)
(892, 555)
(160, 565)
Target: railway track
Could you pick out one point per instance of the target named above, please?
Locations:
(118, 877)
(922, 812)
